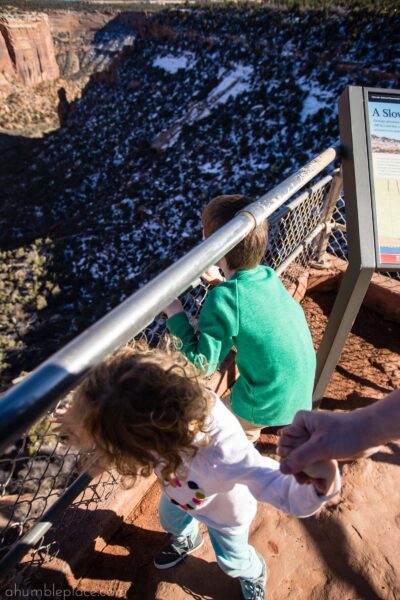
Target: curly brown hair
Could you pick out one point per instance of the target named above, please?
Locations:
(250, 251)
(140, 408)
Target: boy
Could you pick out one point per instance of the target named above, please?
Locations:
(252, 311)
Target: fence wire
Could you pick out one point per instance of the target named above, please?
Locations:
(337, 244)
(36, 470)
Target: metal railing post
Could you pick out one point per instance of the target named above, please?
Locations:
(333, 195)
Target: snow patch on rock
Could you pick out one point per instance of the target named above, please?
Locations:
(172, 64)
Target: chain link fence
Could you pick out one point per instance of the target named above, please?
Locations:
(337, 243)
(36, 470)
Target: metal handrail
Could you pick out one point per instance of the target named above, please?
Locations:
(39, 391)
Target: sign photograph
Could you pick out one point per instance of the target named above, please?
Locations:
(383, 109)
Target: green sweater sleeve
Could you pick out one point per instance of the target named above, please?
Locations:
(218, 326)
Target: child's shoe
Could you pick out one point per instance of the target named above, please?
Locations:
(177, 550)
(254, 589)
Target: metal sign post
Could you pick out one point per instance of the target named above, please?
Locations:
(369, 121)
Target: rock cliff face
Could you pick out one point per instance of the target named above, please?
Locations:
(6, 68)
(26, 51)
(88, 42)
(58, 50)
(6, 64)
(147, 26)
(77, 52)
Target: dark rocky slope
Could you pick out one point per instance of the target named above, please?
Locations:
(204, 102)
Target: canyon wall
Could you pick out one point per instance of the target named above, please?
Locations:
(41, 53)
(35, 47)
(88, 42)
(6, 68)
(26, 51)
(74, 39)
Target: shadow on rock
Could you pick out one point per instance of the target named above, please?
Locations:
(125, 563)
(330, 540)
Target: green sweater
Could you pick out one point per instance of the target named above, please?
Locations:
(275, 355)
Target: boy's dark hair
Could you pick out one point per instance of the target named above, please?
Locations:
(250, 251)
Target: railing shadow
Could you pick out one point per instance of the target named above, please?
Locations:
(352, 401)
(126, 564)
(330, 540)
(334, 546)
(392, 457)
(369, 326)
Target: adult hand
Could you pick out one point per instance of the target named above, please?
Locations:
(322, 435)
(174, 308)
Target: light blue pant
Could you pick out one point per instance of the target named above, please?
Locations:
(234, 554)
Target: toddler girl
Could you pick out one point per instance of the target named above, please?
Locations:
(148, 409)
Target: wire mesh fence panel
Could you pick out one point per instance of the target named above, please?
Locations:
(36, 470)
(291, 276)
(48, 546)
(337, 244)
(392, 274)
(292, 223)
(33, 474)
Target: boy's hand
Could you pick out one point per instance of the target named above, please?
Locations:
(323, 475)
(213, 276)
(63, 423)
(174, 308)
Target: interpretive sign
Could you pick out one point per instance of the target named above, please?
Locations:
(369, 123)
(383, 114)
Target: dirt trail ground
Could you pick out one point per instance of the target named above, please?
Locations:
(349, 551)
